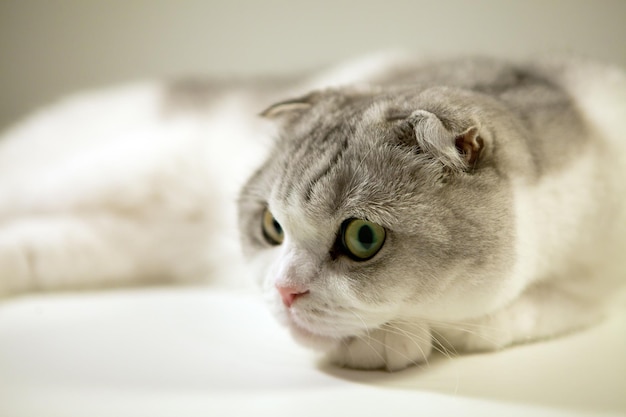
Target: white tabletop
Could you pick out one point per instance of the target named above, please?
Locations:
(210, 352)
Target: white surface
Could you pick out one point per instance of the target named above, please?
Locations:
(207, 352)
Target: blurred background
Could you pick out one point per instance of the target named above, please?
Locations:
(53, 47)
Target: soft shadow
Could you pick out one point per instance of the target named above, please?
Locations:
(583, 372)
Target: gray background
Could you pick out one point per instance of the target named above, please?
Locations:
(53, 47)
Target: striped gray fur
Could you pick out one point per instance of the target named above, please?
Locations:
(459, 161)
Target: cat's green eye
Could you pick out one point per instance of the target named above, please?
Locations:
(361, 239)
(272, 231)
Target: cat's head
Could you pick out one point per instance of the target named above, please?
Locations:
(377, 206)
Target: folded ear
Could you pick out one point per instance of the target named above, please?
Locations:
(460, 151)
(288, 108)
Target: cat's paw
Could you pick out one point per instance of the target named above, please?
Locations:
(392, 347)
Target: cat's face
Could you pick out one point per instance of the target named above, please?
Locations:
(372, 208)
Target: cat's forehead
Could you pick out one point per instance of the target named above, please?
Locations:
(343, 167)
(357, 123)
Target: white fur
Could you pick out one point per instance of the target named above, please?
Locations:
(109, 188)
(104, 189)
(557, 231)
(566, 265)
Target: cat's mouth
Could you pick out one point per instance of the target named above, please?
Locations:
(321, 327)
(306, 336)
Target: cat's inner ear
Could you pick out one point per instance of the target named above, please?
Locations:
(287, 108)
(469, 144)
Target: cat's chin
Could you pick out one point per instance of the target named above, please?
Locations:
(312, 340)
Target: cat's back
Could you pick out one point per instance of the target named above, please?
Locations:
(570, 197)
(594, 92)
(599, 92)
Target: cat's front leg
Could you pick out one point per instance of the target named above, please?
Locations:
(393, 346)
(541, 312)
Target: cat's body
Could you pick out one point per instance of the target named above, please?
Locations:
(499, 190)
(489, 200)
(137, 184)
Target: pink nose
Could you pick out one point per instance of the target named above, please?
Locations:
(289, 294)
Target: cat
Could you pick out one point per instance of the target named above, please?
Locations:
(137, 184)
(401, 205)
(465, 205)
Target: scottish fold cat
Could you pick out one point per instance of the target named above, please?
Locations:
(392, 207)
(464, 205)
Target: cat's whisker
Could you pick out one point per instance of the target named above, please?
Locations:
(440, 348)
(447, 349)
(414, 338)
(365, 326)
(392, 349)
(485, 332)
(366, 341)
(467, 324)
(345, 343)
(469, 327)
